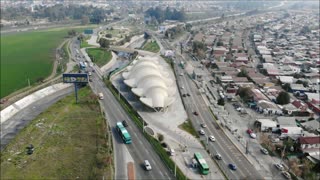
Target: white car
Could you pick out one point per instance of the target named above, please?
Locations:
(212, 138)
(147, 165)
(253, 135)
(264, 151)
(279, 167)
(201, 131)
(218, 156)
(203, 125)
(286, 174)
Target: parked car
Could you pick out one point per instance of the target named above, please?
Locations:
(188, 94)
(279, 167)
(195, 113)
(275, 140)
(286, 174)
(212, 138)
(218, 156)
(147, 165)
(124, 123)
(203, 125)
(201, 131)
(252, 135)
(264, 151)
(171, 152)
(232, 166)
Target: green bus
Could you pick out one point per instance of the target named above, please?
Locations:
(124, 134)
(202, 164)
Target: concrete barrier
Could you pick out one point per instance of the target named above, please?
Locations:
(11, 110)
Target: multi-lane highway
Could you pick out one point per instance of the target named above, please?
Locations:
(139, 150)
(223, 145)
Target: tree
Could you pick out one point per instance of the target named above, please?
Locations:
(243, 73)
(196, 45)
(104, 43)
(244, 93)
(221, 102)
(283, 98)
(287, 87)
(72, 32)
(219, 43)
(97, 16)
(188, 27)
(85, 20)
(294, 166)
(160, 137)
(108, 35)
(146, 35)
(307, 167)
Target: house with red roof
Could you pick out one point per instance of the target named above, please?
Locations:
(308, 144)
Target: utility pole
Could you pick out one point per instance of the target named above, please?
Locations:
(29, 82)
(282, 153)
(175, 167)
(119, 92)
(143, 126)
(247, 147)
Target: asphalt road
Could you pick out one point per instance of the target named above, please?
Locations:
(12, 126)
(140, 149)
(223, 145)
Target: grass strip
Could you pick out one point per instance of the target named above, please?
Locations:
(99, 56)
(187, 126)
(70, 142)
(151, 46)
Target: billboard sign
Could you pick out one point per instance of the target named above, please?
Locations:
(88, 31)
(75, 78)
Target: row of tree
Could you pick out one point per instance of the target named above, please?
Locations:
(59, 12)
(168, 14)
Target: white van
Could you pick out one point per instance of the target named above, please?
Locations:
(171, 151)
(147, 165)
(100, 96)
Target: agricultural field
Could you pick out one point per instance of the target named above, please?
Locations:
(99, 56)
(28, 55)
(69, 142)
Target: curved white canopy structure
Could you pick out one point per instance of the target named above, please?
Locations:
(150, 81)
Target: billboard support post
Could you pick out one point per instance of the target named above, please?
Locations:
(76, 91)
(76, 79)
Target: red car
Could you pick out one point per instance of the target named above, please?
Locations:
(249, 131)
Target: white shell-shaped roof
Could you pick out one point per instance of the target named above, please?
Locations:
(150, 81)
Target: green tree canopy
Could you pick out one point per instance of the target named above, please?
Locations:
(104, 43)
(283, 98)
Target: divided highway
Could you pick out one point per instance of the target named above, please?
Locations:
(223, 145)
(139, 150)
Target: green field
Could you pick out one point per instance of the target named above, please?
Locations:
(151, 46)
(70, 142)
(99, 56)
(27, 55)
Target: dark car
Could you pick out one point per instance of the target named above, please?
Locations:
(232, 167)
(124, 123)
(195, 113)
(188, 94)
